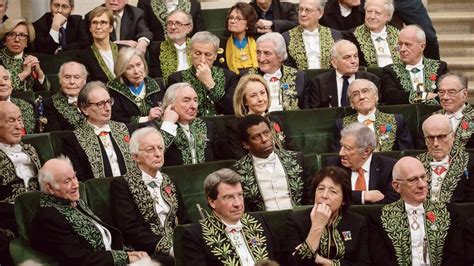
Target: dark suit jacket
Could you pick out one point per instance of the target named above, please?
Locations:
(156, 27)
(88, 59)
(380, 177)
(383, 253)
(284, 15)
(76, 34)
(403, 140)
(332, 17)
(356, 249)
(323, 90)
(468, 234)
(197, 253)
(224, 106)
(392, 89)
(56, 119)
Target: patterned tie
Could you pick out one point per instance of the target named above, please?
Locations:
(62, 37)
(415, 70)
(345, 86)
(360, 182)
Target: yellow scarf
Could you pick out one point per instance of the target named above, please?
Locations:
(229, 53)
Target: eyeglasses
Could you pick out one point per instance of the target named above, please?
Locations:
(238, 19)
(152, 149)
(102, 104)
(176, 23)
(231, 198)
(102, 23)
(307, 10)
(450, 93)
(63, 6)
(414, 180)
(14, 35)
(440, 138)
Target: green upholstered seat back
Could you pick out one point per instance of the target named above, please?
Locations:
(56, 140)
(312, 164)
(214, 20)
(98, 198)
(42, 144)
(50, 63)
(28, 96)
(189, 180)
(220, 137)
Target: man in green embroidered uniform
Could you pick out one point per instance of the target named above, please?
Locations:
(309, 44)
(414, 230)
(450, 169)
(228, 236)
(413, 80)
(66, 229)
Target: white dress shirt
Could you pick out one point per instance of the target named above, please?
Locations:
(171, 5)
(237, 239)
(455, 118)
(55, 34)
(109, 60)
(312, 46)
(182, 56)
(418, 77)
(275, 90)
(355, 175)
(24, 166)
(382, 49)
(108, 147)
(417, 236)
(161, 207)
(370, 116)
(339, 81)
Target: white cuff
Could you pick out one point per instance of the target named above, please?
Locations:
(169, 128)
(362, 200)
(145, 39)
(54, 35)
(143, 119)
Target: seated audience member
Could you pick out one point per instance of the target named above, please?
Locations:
(67, 230)
(228, 235)
(377, 41)
(371, 173)
(158, 11)
(136, 96)
(213, 85)
(452, 93)
(391, 131)
(172, 54)
(414, 12)
(272, 179)
(58, 30)
(99, 147)
(414, 79)
(144, 202)
(27, 111)
(25, 69)
(19, 165)
(308, 240)
(288, 86)
(188, 139)
(450, 168)
(100, 57)
(414, 230)
(274, 15)
(239, 51)
(61, 109)
(343, 14)
(309, 44)
(252, 96)
(329, 89)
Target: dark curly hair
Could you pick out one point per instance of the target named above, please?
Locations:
(340, 177)
(249, 13)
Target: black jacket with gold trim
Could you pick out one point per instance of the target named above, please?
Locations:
(60, 114)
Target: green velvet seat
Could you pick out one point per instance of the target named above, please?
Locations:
(213, 20)
(189, 180)
(312, 164)
(220, 137)
(97, 192)
(42, 144)
(375, 70)
(28, 96)
(56, 140)
(311, 73)
(50, 63)
(54, 81)
(412, 152)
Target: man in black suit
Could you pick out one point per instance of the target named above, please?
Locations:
(66, 229)
(390, 129)
(58, 30)
(414, 79)
(188, 139)
(275, 15)
(213, 85)
(330, 88)
(343, 14)
(415, 230)
(156, 16)
(450, 167)
(371, 174)
(228, 235)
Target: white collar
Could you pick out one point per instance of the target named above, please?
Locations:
(418, 65)
(345, 11)
(311, 33)
(339, 75)
(370, 115)
(180, 47)
(158, 178)
(18, 56)
(98, 130)
(411, 208)
(458, 114)
(270, 157)
(366, 165)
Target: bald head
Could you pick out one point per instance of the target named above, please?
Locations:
(436, 121)
(11, 123)
(409, 179)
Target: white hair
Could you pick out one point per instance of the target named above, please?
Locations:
(138, 135)
(277, 39)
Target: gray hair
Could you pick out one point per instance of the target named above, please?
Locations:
(83, 68)
(320, 4)
(277, 39)
(46, 177)
(357, 82)
(138, 135)
(123, 59)
(206, 37)
(419, 32)
(6, 70)
(461, 78)
(224, 175)
(188, 16)
(171, 91)
(335, 48)
(365, 137)
(388, 7)
(83, 98)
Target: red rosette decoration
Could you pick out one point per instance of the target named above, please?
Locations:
(126, 138)
(276, 127)
(431, 217)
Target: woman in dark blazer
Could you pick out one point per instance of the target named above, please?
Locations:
(252, 97)
(328, 233)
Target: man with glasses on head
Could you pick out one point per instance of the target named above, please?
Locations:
(414, 230)
(451, 169)
(172, 54)
(99, 147)
(413, 80)
(58, 30)
(309, 44)
(228, 236)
